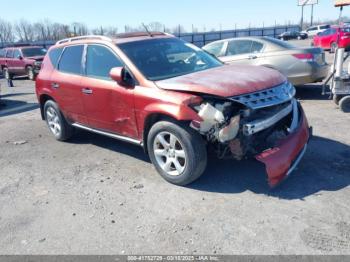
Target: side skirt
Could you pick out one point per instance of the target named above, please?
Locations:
(112, 135)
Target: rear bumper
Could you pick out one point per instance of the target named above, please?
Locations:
(281, 160)
(314, 73)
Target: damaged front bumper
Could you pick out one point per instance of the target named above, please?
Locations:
(283, 158)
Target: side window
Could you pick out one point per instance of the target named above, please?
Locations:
(16, 53)
(333, 31)
(71, 60)
(322, 27)
(9, 53)
(238, 47)
(215, 48)
(312, 29)
(54, 55)
(256, 47)
(2, 52)
(99, 61)
(326, 32)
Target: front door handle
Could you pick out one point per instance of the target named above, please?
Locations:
(55, 85)
(87, 91)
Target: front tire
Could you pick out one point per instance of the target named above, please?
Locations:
(178, 153)
(56, 122)
(344, 104)
(30, 73)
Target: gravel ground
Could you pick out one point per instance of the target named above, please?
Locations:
(95, 195)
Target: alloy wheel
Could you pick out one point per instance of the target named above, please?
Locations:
(169, 153)
(53, 121)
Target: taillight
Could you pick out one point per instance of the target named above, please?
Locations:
(305, 57)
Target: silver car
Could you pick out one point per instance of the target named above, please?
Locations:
(300, 65)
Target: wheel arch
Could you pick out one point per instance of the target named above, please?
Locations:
(153, 118)
(42, 100)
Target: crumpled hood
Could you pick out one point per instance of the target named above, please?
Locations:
(225, 81)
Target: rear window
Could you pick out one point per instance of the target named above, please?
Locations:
(70, 61)
(54, 55)
(279, 43)
(325, 27)
(346, 30)
(2, 52)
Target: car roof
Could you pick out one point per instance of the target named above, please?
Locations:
(118, 39)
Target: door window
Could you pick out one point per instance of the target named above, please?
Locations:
(215, 48)
(16, 54)
(256, 47)
(238, 47)
(9, 53)
(2, 52)
(99, 61)
(70, 61)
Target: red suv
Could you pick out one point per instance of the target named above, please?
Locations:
(24, 60)
(174, 100)
(332, 38)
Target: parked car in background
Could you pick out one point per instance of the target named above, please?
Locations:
(289, 35)
(300, 65)
(174, 100)
(314, 30)
(18, 61)
(333, 38)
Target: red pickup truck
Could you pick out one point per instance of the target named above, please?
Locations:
(25, 60)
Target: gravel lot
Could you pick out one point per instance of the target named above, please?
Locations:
(95, 195)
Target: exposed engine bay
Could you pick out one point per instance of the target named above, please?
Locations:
(246, 125)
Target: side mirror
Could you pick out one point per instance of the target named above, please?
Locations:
(122, 76)
(20, 57)
(116, 74)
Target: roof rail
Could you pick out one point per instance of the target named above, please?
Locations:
(84, 37)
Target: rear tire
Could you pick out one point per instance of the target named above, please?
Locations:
(344, 104)
(56, 122)
(336, 99)
(7, 74)
(30, 73)
(334, 47)
(178, 152)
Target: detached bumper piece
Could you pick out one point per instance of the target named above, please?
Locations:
(281, 160)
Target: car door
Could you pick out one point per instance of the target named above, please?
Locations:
(18, 63)
(9, 60)
(66, 83)
(243, 52)
(326, 38)
(108, 105)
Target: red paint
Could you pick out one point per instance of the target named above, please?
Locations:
(278, 160)
(339, 36)
(228, 80)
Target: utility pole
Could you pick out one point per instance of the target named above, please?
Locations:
(302, 17)
(312, 15)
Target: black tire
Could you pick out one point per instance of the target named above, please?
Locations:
(30, 73)
(192, 144)
(7, 74)
(337, 98)
(66, 130)
(334, 47)
(344, 104)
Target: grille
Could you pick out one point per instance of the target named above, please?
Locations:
(268, 97)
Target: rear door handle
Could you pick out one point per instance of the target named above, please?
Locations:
(87, 91)
(55, 85)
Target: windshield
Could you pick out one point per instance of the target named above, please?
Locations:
(160, 59)
(35, 51)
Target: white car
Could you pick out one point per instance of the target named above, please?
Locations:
(314, 30)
